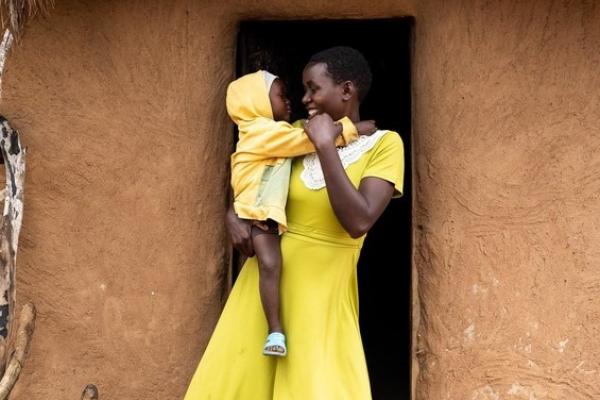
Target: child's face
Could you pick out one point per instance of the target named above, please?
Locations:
(321, 93)
(279, 102)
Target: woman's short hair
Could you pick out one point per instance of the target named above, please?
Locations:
(346, 64)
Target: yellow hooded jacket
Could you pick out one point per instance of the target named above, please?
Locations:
(261, 164)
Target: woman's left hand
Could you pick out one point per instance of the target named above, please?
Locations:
(322, 130)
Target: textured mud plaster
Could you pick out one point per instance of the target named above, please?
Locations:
(507, 137)
(123, 248)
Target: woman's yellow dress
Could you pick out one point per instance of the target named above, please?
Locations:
(319, 304)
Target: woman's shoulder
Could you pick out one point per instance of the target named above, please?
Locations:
(391, 139)
(386, 161)
(389, 142)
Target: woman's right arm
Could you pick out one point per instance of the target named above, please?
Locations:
(239, 232)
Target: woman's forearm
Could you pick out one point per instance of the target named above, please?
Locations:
(357, 210)
(349, 205)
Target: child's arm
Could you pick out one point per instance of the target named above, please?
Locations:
(264, 137)
(366, 128)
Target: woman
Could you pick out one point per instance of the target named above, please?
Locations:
(335, 196)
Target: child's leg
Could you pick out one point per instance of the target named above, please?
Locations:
(268, 252)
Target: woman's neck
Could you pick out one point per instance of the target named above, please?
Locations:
(354, 116)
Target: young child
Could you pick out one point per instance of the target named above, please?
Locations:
(260, 172)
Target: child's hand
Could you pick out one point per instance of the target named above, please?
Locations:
(366, 128)
(322, 130)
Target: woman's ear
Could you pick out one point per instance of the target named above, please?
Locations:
(348, 90)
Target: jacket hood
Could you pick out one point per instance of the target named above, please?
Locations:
(247, 98)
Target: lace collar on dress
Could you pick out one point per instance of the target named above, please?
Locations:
(312, 175)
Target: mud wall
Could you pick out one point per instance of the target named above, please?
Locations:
(123, 249)
(507, 135)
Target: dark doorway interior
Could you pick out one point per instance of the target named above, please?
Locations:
(284, 47)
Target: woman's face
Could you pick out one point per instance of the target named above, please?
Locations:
(321, 93)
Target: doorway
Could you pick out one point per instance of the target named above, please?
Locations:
(384, 268)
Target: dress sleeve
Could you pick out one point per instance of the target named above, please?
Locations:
(264, 137)
(387, 162)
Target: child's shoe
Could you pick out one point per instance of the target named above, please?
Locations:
(275, 345)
